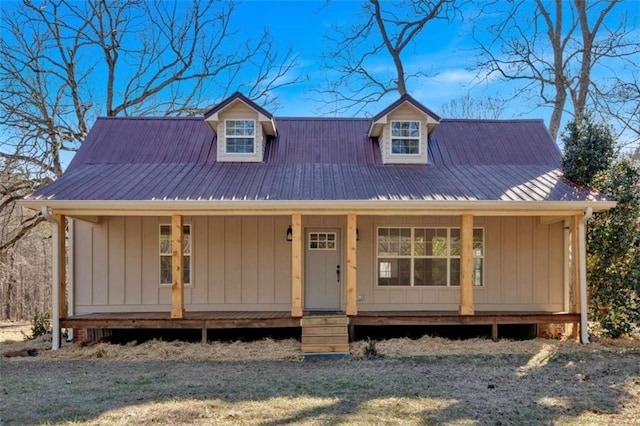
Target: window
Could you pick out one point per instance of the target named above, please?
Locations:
(240, 136)
(166, 271)
(322, 241)
(425, 256)
(405, 137)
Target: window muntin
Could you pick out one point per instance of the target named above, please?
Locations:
(322, 241)
(405, 137)
(166, 255)
(240, 136)
(425, 256)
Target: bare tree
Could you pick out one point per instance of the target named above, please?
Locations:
(465, 106)
(367, 57)
(555, 49)
(62, 63)
(620, 99)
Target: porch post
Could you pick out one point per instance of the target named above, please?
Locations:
(296, 265)
(466, 265)
(62, 264)
(177, 281)
(582, 272)
(352, 267)
(575, 267)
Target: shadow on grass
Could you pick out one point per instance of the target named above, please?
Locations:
(492, 389)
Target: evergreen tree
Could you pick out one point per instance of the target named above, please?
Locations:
(613, 237)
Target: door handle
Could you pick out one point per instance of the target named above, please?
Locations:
(338, 272)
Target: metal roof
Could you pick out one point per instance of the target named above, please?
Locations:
(315, 159)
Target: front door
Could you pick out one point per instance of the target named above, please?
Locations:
(323, 272)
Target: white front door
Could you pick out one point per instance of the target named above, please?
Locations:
(323, 271)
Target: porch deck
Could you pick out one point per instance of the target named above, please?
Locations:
(193, 320)
(276, 319)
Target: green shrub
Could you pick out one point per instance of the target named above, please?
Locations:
(370, 350)
(40, 325)
(613, 237)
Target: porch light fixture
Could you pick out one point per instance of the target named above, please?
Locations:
(289, 234)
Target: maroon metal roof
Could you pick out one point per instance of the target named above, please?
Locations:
(314, 159)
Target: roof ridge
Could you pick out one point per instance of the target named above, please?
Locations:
(148, 117)
(325, 118)
(494, 120)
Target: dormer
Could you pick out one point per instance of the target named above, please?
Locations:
(403, 130)
(242, 128)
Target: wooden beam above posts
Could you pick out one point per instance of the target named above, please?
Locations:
(352, 267)
(466, 265)
(177, 268)
(62, 265)
(296, 265)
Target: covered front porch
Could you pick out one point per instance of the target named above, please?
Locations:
(356, 311)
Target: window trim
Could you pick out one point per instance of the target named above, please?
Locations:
(391, 138)
(160, 254)
(226, 137)
(412, 258)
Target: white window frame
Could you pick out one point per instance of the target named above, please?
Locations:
(392, 137)
(412, 257)
(227, 137)
(189, 282)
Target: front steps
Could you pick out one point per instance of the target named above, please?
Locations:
(325, 334)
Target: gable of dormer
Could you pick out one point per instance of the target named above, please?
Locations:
(403, 130)
(242, 128)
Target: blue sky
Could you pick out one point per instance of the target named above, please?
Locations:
(304, 24)
(443, 49)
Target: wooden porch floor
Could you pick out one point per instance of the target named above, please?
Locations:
(277, 319)
(453, 318)
(256, 319)
(196, 320)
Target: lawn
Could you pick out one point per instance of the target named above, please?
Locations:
(425, 381)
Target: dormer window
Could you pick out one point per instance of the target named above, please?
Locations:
(240, 136)
(405, 137)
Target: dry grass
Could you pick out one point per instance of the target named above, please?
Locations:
(424, 381)
(12, 332)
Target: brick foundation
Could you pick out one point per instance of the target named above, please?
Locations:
(80, 335)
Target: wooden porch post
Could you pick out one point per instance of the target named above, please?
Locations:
(177, 282)
(466, 265)
(62, 265)
(296, 265)
(352, 267)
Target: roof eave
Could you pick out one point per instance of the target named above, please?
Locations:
(315, 207)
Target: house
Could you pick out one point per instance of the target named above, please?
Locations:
(243, 219)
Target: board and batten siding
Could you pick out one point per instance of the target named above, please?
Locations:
(243, 263)
(523, 267)
(238, 263)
